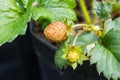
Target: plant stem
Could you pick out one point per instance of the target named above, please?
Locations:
(101, 23)
(77, 35)
(85, 12)
(79, 26)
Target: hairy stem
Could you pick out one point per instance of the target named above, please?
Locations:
(77, 35)
(85, 12)
(79, 26)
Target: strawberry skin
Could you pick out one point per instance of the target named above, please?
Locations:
(56, 32)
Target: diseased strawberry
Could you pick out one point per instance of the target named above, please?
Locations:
(56, 32)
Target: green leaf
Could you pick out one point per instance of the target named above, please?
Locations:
(106, 62)
(84, 39)
(111, 24)
(108, 57)
(21, 5)
(102, 9)
(71, 3)
(13, 20)
(57, 3)
(112, 42)
(59, 60)
(25, 2)
(54, 10)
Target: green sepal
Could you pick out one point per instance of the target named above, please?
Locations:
(74, 65)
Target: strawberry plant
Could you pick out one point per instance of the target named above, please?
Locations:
(95, 41)
(96, 38)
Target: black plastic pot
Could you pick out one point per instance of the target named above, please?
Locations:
(45, 52)
(17, 60)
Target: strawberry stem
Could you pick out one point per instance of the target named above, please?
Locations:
(85, 12)
(79, 26)
(77, 35)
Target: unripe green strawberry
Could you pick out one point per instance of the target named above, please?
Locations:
(73, 56)
(56, 32)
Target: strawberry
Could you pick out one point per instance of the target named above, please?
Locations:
(73, 56)
(56, 32)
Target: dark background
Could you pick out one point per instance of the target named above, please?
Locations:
(18, 60)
